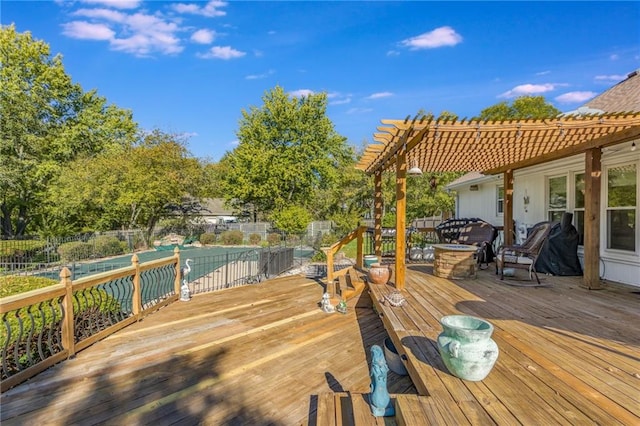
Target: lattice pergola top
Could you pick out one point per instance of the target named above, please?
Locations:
(493, 147)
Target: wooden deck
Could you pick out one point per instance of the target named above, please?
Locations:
(567, 355)
(252, 355)
(262, 354)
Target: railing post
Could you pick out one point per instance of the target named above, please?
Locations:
(226, 269)
(359, 250)
(136, 302)
(68, 332)
(177, 284)
(329, 254)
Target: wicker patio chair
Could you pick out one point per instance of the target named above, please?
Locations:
(482, 235)
(523, 256)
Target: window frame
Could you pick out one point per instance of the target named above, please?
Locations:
(499, 200)
(605, 218)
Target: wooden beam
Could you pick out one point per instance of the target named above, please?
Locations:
(401, 214)
(508, 208)
(377, 214)
(593, 182)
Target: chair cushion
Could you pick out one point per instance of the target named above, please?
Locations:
(520, 260)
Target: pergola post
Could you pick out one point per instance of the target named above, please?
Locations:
(401, 215)
(377, 215)
(508, 207)
(593, 181)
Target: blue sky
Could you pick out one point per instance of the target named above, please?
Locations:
(191, 67)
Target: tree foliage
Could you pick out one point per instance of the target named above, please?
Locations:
(46, 121)
(524, 107)
(131, 187)
(288, 149)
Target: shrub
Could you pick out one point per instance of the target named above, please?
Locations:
(109, 246)
(207, 238)
(319, 256)
(329, 239)
(273, 239)
(232, 238)
(254, 239)
(26, 250)
(15, 284)
(75, 250)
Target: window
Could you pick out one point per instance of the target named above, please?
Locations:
(500, 200)
(621, 207)
(578, 206)
(557, 190)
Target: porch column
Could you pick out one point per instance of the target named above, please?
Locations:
(508, 207)
(401, 216)
(377, 214)
(592, 186)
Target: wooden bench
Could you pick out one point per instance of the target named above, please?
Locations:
(345, 408)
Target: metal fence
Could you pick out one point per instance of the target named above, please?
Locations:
(418, 246)
(227, 270)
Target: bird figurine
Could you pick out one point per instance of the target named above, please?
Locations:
(185, 293)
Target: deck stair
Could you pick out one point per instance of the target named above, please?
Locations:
(346, 408)
(350, 283)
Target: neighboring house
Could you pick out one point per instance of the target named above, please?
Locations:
(545, 192)
(214, 212)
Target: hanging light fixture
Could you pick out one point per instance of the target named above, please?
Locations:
(414, 170)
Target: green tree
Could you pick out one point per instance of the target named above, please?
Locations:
(131, 187)
(288, 149)
(524, 107)
(292, 219)
(46, 121)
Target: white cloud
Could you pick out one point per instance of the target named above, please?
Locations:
(610, 78)
(203, 36)
(211, 9)
(543, 73)
(301, 93)
(116, 4)
(138, 33)
(222, 52)
(528, 89)
(443, 36)
(575, 97)
(614, 57)
(107, 14)
(341, 101)
(380, 95)
(393, 53)
(87, 31)
(260, 76)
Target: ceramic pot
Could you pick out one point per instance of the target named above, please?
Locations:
(393, 358)
(466, 347)
(369, 260)
(379, 274)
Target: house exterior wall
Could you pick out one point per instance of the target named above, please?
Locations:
(616, 265)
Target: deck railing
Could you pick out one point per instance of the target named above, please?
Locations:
(43, 327)
(330, 252)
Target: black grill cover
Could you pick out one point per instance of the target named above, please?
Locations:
(559, 255)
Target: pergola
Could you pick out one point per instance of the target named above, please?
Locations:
(494, 147)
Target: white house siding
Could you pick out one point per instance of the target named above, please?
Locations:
(616, 265)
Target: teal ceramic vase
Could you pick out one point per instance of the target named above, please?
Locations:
(466, 347)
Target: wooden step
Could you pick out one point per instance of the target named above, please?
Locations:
(347, 408)
(350, 284)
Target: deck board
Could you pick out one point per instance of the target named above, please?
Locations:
(563, 357)
(265, 354)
